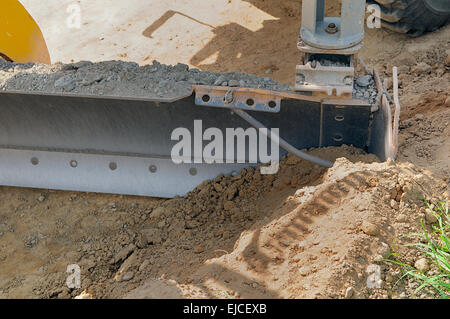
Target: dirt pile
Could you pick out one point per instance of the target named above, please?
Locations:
(251, 235)
(332, 230)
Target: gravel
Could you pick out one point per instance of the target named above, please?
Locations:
(118, 78)
(128, 79)
(364, 88)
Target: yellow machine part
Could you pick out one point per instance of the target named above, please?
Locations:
(21, 39)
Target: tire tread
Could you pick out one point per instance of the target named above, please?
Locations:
(413, 17)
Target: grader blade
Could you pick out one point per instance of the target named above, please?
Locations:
(125, 145)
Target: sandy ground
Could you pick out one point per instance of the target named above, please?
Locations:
(305, 232)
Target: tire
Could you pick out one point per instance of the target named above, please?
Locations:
(413, 17)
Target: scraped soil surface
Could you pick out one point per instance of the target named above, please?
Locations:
(306, 232)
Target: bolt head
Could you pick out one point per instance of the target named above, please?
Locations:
(331, 28)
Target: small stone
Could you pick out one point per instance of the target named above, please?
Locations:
(181, 67)
(364, 81)
(374, 276)
(421, 264)
(393, 193)
(198, 249)
(41, 198)
(394, 204)
(349, 292)
(84, 295)
(373, 182)
(447, 102)
(378, 259)
(430, 217)
(233, 83)
(157, 212)
(64, 82)
(126, 276)
(269, 71)
(369, 228)
(31, 241)
(220, 80)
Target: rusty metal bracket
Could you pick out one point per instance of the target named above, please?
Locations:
(261, 100)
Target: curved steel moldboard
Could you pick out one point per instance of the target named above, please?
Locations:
(115, 145)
